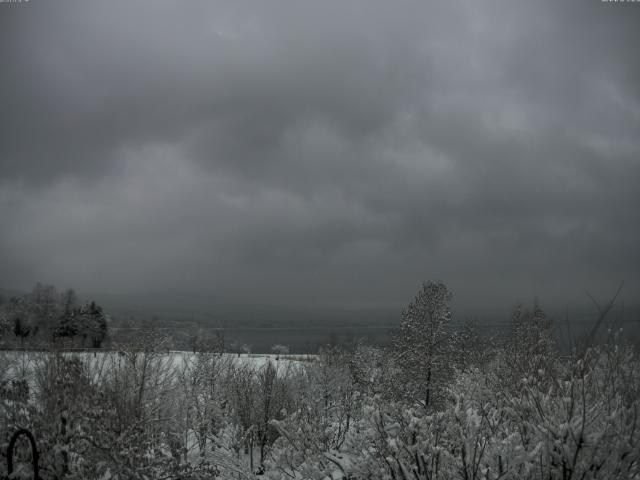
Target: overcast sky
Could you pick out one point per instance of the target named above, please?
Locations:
(321, 152)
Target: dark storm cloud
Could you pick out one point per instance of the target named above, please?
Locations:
(325, 152)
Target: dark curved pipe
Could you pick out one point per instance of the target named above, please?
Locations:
(34, 452)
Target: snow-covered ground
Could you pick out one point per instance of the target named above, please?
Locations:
(21, 364)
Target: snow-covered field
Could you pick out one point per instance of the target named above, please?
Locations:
(21, 364)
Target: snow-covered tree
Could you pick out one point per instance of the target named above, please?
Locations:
(423, 345)
(530, 347)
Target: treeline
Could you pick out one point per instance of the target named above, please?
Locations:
(438, 403)
(46, 317)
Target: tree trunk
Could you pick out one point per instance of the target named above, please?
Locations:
(426, 401)
(251, 454)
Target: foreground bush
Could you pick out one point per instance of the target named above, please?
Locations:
(583, 424)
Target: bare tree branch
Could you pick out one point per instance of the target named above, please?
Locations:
(603, 313)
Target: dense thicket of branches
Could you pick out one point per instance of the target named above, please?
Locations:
(439, 404)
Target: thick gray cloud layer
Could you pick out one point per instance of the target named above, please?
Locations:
(321, 152)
